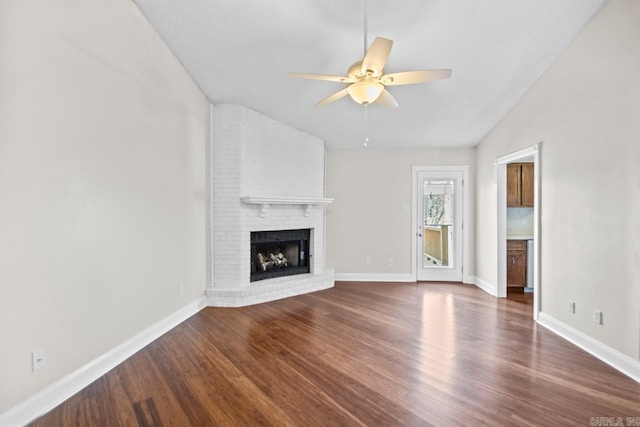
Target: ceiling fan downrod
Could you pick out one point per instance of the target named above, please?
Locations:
(366, 45)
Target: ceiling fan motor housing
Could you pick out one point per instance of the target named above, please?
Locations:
(357, 72)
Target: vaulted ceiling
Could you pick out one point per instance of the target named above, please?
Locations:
(240, 52)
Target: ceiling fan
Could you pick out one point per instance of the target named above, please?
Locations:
(366, 82)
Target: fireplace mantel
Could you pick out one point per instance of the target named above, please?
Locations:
(265, 202)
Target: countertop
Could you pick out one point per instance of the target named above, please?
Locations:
(519, 234)
(519, 237)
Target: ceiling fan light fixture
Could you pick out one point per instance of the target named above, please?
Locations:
(366, 92)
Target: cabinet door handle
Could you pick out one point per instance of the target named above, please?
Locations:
(513, 261)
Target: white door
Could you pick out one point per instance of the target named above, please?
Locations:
(439, 228)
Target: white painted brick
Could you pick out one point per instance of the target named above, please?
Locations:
(254, 155)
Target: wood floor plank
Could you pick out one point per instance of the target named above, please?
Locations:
(260, 358)
(147, 413)
(358, 354)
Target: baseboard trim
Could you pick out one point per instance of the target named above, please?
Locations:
(270, 290)
(374, 277)
(612, 357)
(61, 390)
(484, 285)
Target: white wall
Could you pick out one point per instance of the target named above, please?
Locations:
(585, 111)
(102, 164)
(367, 219)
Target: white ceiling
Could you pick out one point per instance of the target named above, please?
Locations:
(240, 51)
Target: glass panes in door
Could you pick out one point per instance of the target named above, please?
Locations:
(438, 223)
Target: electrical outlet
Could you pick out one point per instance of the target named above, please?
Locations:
(367, 260)
(572, 307)
(597, 317)
(389, 261)
(180, 290)
(38, 359)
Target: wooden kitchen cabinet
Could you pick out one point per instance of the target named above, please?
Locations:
(526, 193)
(514, 184)
(516, 263)
(520, 185)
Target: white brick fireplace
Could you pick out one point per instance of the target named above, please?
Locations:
(264, 176)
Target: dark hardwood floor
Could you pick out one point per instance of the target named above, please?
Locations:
(370, 354)
(519, 295)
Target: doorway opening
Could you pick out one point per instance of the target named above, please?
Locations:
(518, 226)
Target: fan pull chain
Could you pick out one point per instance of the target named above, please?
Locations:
(366, 121)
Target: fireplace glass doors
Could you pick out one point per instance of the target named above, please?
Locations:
(279, 253)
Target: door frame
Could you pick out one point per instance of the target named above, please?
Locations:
(501, 220)
(465, 216)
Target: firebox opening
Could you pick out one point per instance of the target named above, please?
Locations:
(279, 253)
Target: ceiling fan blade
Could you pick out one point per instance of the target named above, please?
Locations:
(386, 100)
(320, 77)
(377, 55)
(333, 97)
(410, 77)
